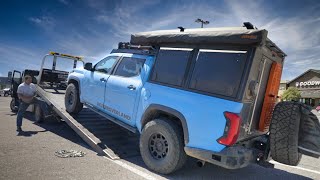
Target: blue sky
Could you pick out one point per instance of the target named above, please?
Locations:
(92, 28)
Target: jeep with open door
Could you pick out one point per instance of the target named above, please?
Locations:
(16, 78)
(208, 93)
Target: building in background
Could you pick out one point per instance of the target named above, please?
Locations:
(308, 83)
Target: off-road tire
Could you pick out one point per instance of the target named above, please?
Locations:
(175, 157)
(13, 105)
(72, 104)
(38, 114)
(284, 133)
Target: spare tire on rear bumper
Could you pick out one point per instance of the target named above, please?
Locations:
(284, 133)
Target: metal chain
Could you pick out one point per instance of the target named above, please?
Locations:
(69, 153)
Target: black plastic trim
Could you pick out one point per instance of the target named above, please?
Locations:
(169, 111)
(234, 157)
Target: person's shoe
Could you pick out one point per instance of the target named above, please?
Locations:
(19, 129)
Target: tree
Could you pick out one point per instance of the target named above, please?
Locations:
(291, 94)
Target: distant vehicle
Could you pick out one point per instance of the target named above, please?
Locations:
(5, 92)
(16, 80)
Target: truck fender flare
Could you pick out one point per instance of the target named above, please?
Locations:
(73, 78)
(168, 110)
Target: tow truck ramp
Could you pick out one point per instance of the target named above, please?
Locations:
(104, 136)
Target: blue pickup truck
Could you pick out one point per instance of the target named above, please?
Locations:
(207, 93)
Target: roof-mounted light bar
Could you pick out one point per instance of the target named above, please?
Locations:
(66, 55)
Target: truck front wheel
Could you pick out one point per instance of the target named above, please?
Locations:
(72, 99)
(161, 146)
(284, 133)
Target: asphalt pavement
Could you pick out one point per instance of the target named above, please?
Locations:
(31, 155)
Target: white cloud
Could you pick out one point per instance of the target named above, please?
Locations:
(45, 22)
(18, 58)
(298, 36)
(127, 19)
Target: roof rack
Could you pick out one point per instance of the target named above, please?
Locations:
(126, 47)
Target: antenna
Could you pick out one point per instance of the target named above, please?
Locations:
(181, 28)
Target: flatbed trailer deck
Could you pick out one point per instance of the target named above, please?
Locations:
(104, 136)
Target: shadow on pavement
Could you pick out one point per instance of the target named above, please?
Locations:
(59, 128)
(28, 133)
(189, 171)
(210, 171)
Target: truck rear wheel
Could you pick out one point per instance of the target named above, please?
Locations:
(72, 99)
(161, 146)
(284, 133)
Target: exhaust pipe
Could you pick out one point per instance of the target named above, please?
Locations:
(200, 163)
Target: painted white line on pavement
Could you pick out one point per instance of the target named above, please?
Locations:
(295, 167)
(132, 169)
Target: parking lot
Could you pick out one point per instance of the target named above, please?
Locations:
(31, 155)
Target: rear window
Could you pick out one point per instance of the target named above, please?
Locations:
(218, 72)
(170, 66)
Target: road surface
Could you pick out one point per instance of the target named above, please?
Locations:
(30, 155)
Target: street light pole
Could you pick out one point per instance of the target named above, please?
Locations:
(202, 22)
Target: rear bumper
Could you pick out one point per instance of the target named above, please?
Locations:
(230, 157)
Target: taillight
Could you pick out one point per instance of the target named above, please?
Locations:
(231, 131)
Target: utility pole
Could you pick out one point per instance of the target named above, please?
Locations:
(202, 22)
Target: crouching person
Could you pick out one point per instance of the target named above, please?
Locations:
(26, 93)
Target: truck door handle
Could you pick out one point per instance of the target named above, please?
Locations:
(103, 80)
(131, 87)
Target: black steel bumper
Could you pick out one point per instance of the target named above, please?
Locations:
(230, 157)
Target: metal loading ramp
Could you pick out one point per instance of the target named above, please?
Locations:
(104, 136)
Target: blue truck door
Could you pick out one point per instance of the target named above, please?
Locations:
(93, 88)
(123, 88)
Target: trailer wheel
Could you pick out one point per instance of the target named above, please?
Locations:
(284, 133)
(13, 105)
(161, 146)
(38, 114)
(72, 99)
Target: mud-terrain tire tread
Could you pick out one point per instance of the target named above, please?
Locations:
(173, 133)
(77, 106)
(284, 133)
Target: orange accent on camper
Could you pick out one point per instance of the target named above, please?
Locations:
(270, 97)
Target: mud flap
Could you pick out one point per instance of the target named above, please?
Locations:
(309, 133)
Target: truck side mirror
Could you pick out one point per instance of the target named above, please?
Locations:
(9, 76)
(88, 66)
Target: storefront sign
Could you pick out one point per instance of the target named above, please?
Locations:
(308, 83)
